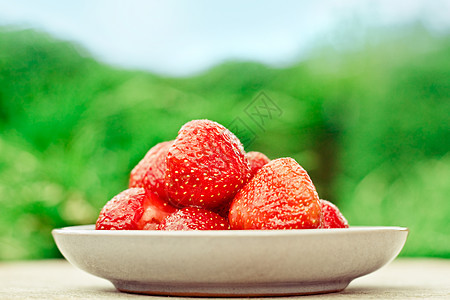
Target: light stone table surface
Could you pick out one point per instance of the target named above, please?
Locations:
(57, 279)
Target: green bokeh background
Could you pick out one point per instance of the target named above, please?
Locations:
(371, 124)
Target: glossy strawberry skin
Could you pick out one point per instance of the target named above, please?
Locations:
(332, 217)
(122, 212)
(155, 211)
(280, 196)
(150, 172)
(206, 166)
(194, 218)
(256, 160)
(133, 209)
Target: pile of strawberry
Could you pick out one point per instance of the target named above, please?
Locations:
(204, 180)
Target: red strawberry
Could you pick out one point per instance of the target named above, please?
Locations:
(155, 210)
(280, 196)
(133, 209)
(149, 173)
(124, 211)
(332, 217)
(256, 161)
(206, 166)
(194, 218)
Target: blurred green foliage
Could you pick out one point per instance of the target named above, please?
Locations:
(370, 124)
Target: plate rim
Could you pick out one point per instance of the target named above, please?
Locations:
(90, 230)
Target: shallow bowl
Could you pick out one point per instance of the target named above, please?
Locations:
(230, 263)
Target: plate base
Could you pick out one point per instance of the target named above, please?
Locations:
(230, 290)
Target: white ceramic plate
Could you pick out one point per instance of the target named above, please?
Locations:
(231, 263)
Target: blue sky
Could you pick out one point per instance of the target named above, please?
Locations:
(180, 37)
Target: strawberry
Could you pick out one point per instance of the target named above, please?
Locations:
(206, 166)
(332, 217)
(280, 196)
(194, 218)
(133, 209)
(122, 212)
(149, 173)
(256, 161)
(155, 210)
